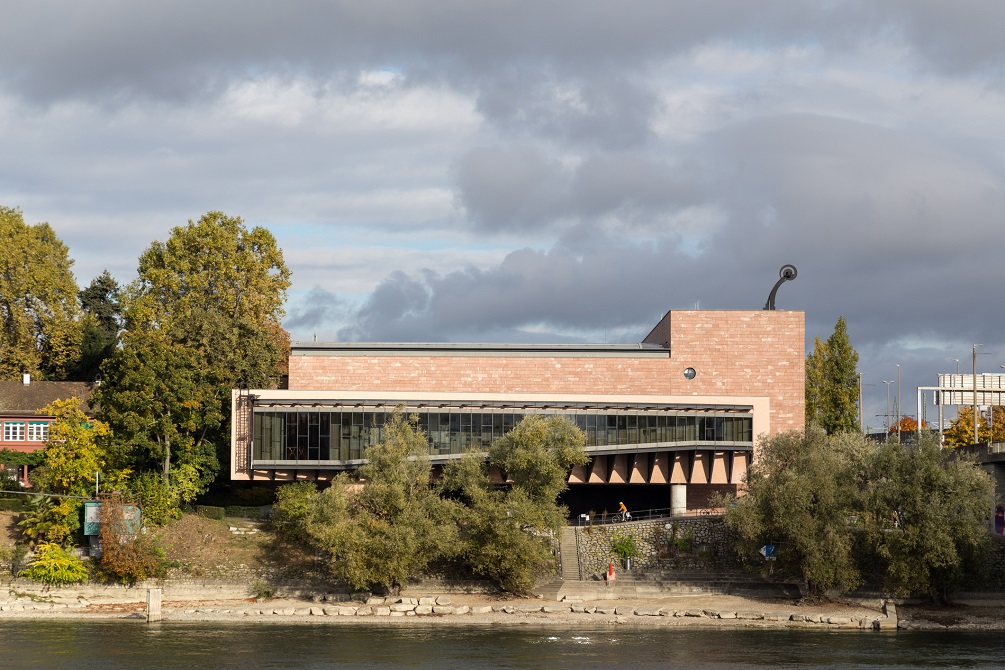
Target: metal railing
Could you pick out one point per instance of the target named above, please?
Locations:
(643, 515)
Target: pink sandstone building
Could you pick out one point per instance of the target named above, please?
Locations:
(671, 420)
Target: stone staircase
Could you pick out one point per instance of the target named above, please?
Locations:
(570, 554)
(652, 583)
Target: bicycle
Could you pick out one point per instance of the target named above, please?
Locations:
(622, 517)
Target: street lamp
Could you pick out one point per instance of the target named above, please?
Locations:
(897, 365)
(975, 391)
(861, 421)
(887, 406)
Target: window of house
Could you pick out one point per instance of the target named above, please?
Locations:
(13, 431)
(38, 431)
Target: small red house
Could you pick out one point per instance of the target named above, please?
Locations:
(22, 427)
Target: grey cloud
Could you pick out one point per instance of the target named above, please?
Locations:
(54, 48)
(522, 189)
(517, 188)
(316, 310)
(606, 111)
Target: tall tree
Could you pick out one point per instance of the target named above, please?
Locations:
(961, 432)
(832, 382)
(843, 511)
(100, 325)
(207, 304)
(383, 532)
(39, 329)
(505, 532)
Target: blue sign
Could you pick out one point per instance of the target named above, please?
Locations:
(768, 551)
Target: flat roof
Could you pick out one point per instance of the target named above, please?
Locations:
(476, 349)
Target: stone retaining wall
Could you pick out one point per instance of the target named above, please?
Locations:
(689, 543)
(442, 606)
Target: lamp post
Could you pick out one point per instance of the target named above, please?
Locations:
(861, 420)
(887, 405)
(975, 391)
(897, 365)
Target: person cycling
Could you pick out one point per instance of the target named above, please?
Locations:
(623, 511)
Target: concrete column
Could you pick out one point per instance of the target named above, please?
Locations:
(678, 499)
(154, 605)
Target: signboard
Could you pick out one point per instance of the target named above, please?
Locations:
(768, 551)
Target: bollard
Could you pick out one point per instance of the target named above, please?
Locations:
(153, 605)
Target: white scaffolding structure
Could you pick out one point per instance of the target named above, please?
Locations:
(980, 390)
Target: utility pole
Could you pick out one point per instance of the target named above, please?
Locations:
(887, 406)
(861, 420)
(897, 365)
(975, 391)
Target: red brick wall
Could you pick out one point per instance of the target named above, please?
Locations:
(742, 353)
(735, 353)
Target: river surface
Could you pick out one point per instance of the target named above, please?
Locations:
(110, 645)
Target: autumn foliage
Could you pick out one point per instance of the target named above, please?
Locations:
(907, 424)
(127, 555)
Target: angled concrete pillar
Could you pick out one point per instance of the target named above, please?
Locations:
(720, 468)
(740, 462)
(661, 469)
(640, 469)
(578, 475)
(700, 468)
(681, 468)
(619, 470)
(598, 473)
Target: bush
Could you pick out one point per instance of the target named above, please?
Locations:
(11, 505)
(159, 501)
(44, 520)
(624, 546)
(12, 558)
(127, 556)
(243, 512)
(211, 512)
(55, 566)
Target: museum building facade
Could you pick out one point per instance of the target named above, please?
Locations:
(684, 409)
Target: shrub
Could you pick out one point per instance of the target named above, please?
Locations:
(127, 556)
(624, 546)
(243, 512)
(11, 505)
(156, 496)
(12, 558)
(210, 512)
(55, 566)
(44, 520)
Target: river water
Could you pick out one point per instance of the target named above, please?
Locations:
(110, 645)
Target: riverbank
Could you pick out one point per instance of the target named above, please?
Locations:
(708, 610)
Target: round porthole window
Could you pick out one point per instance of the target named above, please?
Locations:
(689, 373)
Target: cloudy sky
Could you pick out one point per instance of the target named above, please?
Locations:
(540, 171)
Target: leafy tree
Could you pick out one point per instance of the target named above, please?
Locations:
(99, 327)
(800, 493)
(205, 310)
(158, 401)
(961, 431)
(832, 382)
(841, 510)
(926, 514)
(39, 332)
(383, 532)
(74, 453)
(908, 424)
(46, 519)
(506, 532)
